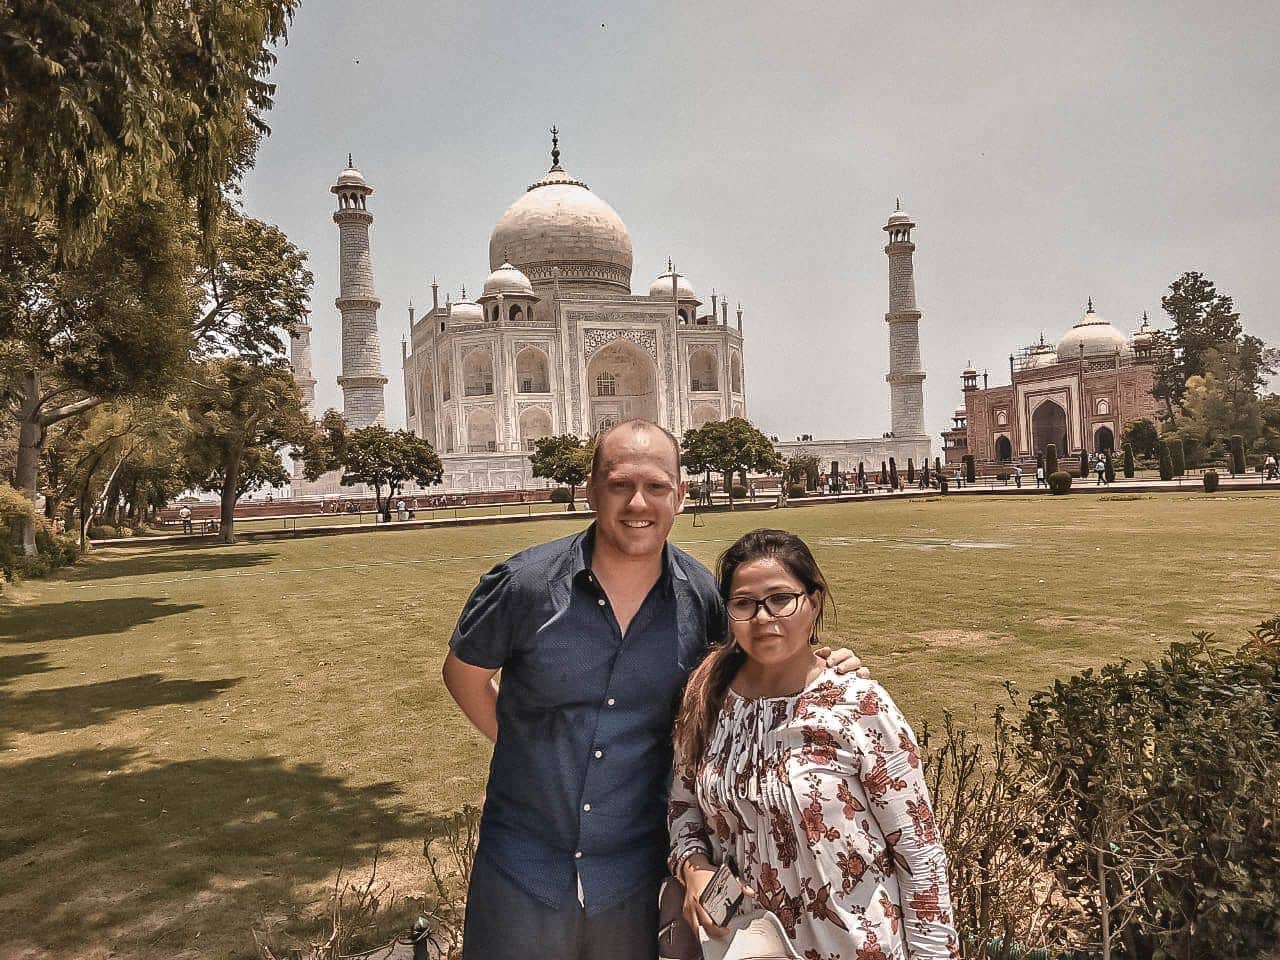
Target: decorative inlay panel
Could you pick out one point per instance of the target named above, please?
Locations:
(593, 339)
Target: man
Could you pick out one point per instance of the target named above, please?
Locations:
(1017, 476)
(184, 514)
(595, 635)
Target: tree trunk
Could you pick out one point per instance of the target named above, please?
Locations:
(573, 493)
(227, 512)
(30, 437)
(728, 486)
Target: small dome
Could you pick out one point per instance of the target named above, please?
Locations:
(1097, 337)
(351, 177)
(969, 372)
(507, 281)
(1144, 334)
(467, 311)
(961, 413)
(661, 287)
(899, 217)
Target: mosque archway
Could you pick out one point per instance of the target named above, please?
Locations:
(1049, 425)
(1004, 449)
(477, 374)
(735, 373)
(427, 408)
(704, 371)
(482, 431)
(703, 413)
(535, 423)
(623, 383)
(446, 380)
(450, 433)
(1104, 440)
(531, 371)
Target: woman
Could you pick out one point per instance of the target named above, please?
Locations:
(810, 781)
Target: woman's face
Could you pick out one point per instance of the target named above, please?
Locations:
(768, 639)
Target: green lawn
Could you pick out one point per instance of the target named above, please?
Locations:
(193, 739)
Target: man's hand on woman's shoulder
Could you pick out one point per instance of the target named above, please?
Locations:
(844, 661)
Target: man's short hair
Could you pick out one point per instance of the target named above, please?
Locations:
(636, 424)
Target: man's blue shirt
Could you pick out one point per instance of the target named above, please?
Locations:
(579, 776)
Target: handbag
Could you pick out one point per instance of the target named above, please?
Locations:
(754, 934)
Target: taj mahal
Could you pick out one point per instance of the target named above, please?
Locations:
(556, 342)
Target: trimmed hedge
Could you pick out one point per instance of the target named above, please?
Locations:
(561, 495)
(1237, 454)
(1210, 478)
(1128, 461)
(1060, 482)
(1051, 459)
(1166, 461)
(738, 491)
(797, 490)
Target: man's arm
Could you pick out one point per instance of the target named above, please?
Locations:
(474, 690)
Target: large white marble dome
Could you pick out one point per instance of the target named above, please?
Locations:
(1096, 335)
(559, 224)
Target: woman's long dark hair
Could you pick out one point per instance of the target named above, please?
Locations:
(704, 693)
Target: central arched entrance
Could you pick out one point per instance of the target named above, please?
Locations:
(1004, 449)
(1049, 425)
(622, 383)
(1104, 441)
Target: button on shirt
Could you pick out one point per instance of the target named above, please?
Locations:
(578, 782)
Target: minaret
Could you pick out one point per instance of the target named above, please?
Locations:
(906, 378)
(300, 364)
(362, 380)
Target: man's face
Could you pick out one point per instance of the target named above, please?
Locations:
(638, 492)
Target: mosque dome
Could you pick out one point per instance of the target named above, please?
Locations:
(351, 177)
(1097, 336)
(1144, 336)
(560, 223)
(466, 311)
(661, 287)
(1040, 354)
(962, 413)
(507, 281)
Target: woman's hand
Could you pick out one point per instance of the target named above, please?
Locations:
(696, 873)
(844, 661)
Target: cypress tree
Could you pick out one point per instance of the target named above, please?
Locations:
(911, 471)
(1178, 455)
(1084, 463)
(1050, 459)
(970, 471)
(1128, 461)
(1110, 473)
(1166, 461)
(893, 474)
(884, 474)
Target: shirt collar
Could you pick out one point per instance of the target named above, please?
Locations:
(584, 545)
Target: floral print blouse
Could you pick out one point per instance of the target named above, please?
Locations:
(820, 799)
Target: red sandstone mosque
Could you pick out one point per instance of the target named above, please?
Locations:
(1077, 395)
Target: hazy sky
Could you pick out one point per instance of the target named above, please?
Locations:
(1048, 152)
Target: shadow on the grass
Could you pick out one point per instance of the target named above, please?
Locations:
(67, 619)
(24, 665)
(102, 848)
(70, 708)
(207, 559)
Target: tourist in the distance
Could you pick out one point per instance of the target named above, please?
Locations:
(810, 781)
(1039, 475)
(595, 635)
(1270, 469)
(1017, 476)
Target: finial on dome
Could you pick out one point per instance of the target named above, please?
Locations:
(669, 267)
(1144, 316)
(350, 164)
(897, 204)
(1090, 307)
(555, 148)
(464, 291)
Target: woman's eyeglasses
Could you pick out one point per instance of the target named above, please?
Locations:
(776, 605)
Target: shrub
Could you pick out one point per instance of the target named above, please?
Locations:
(797, 490)
(101, 531)
(1084, 463)
(738, 491)
(695, 491)
(893, 474)
(1178, 454)
(1166, 461)
(1237, 454)
(1051, 459)
(970, 470)
(1002, 476)
(911, 471)
(561, 495)
(1160, 802)
(1128, 461)
(1060, 482)
(1210, 479)
(52, 550)
(1109, 472)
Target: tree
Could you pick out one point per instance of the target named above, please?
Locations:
(1128, 461)
(115, 324)
(1178, 455)
(106, 100)
(802, 468)
(1166, 461)
(565, 459)
(1238, 465)
(911, 472)
(242, 416)
(1202, 320)
(1109, 468)
(893, 474)
(1143, 436)
(1050, 459)
(388, 458)
(726, 446)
